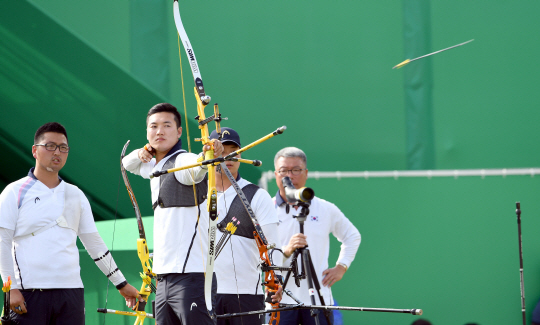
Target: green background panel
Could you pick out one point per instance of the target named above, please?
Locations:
(448, 246)
(324, 70)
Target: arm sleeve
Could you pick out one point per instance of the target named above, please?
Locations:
(6, 260)
(263, 206)
(271, 233)
(347, 234)
(9, 211)
(192, 175)
(95, 246)
(86, 223)
(133, 164)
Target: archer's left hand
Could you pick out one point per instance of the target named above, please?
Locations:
(130, 294)
(333, 275)
(276, 297)
(218, 148)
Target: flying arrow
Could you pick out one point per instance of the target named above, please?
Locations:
(423, 56)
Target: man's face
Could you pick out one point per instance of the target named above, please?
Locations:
(51, 161)
(287, 165)
(161, 131)
(233, 166)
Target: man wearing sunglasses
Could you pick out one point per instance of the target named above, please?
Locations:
(324, 219)
(40, 218)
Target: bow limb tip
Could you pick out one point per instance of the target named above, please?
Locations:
(402, 64)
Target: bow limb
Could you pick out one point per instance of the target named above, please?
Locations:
(199, 88)
(142, 250)
(202, 101)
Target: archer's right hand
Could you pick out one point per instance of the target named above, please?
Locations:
(17, 303)
(146, 153)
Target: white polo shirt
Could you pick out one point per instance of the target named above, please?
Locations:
(51, 258)
(237, 266)
(174, 227)
(324, 218)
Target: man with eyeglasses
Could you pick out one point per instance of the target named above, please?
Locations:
(324, 219)
(40, 218)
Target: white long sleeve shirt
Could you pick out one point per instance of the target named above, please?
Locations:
(237, 266)
(323, 219)
(50, 259)
(174, 227)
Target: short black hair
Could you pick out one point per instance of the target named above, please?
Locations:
(165, 107)
(49, 127)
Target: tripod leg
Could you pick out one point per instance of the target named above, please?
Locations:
(293, 264)
(307, 268)
(318, 287)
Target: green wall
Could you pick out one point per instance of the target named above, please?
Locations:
(446, 245)
(324, 70)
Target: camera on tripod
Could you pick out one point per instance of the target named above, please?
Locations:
(297, 196)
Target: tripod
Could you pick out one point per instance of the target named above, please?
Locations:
(308, 271)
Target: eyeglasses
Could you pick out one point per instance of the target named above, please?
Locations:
(52, 147)
(294, 171)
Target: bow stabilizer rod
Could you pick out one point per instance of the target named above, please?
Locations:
(231, 156)
(302, 306)
(522, 284)
(254, 143)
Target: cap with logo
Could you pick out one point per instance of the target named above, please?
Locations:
(227, 135)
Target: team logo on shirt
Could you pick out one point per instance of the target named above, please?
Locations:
(314, 218)
(193, 304)
(36, 199)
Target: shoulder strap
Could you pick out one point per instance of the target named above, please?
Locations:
(72, 208)
(71, 214)
(237, 210)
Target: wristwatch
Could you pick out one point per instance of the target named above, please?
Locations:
(342, 264)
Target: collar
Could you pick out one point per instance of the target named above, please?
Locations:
(31, 174)
(175, 148)
(237, 180)
(279, 200)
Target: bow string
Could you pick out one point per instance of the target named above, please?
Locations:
(202, 102)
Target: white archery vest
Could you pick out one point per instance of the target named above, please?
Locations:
(71, 215)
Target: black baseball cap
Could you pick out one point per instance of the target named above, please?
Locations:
(227, 135)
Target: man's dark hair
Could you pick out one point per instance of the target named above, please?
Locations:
(165, 107)
(49, 127)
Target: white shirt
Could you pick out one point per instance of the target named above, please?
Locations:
(237, 266)
(174, 227)
(324, 218)
(51, 258)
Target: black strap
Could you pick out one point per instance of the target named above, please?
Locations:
(237, 210)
